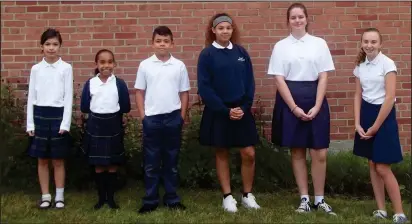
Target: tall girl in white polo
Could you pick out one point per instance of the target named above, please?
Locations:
(301, 119)
(377, 137)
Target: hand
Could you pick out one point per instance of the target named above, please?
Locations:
(31, 133)
(360, 131)
(371, 132)
(313, 112)
(236, 113)
(124, 121)
(183, 116)
(298, 112)
(62, 131)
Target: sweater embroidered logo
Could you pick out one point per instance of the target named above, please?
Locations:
(241, 59)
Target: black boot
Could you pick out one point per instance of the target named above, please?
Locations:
(101, 189)
(111, 181)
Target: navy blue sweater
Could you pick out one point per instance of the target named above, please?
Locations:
(225, 76)
(123, 91)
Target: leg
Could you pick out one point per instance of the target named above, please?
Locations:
(43, 172)
(300, 170)
(152, 143)
(248, 174)
(248, 168)
(59, 177)
(392, 186)
(100, 178)
(170, 157)
(378, 186)
(318, 171)
(110, 184)
(222, 169)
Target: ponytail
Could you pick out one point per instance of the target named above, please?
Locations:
(361, 57)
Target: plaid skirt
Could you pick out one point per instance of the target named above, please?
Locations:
(385, 146)
(290, 131)
(103, 139)
(47, 142)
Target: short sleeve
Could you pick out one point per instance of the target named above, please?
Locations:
(325, 62)
(389, 66)
(356, 71)
(140, 78)
(276, 66)
(184, 79)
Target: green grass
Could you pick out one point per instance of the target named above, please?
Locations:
(203, 207)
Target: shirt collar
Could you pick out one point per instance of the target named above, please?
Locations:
(54, 65)
(111, 78)
(218, 46)
(154, 58)
(302, 39)
(375, 60)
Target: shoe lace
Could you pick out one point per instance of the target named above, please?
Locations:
(379, 213)
(325, 206)
(397, 218)
(252, 200)
(304, 205)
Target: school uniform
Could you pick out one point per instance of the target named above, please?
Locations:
(162, 125)
(300, 62)
(385, 146)
(225, 81)
(49, 109)
(105, 103)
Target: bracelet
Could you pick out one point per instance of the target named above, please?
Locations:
(294, 108)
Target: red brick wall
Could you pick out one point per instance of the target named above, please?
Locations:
(126, 27)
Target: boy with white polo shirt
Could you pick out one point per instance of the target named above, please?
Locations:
(162, 97)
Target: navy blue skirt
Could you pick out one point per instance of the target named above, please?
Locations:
(47, 143)
(290, 131)
(103, 139)
(218, 130)
(385, 146)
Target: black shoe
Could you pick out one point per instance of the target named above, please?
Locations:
(176, 206)
(99, 205)
(147, 208)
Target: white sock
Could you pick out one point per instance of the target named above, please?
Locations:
(305, 196)
(59, 194)
(400, 214)
(318, 199)
(45, 197)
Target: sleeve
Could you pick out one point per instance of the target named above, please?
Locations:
(356, 71)
(276, 66)
(68, 99)
(124, 97)
(85, 98)
(249, 84)
(184, 79)
(140, 78)
(325, 61)
(389, 66)
(30, 100)
(205, 88)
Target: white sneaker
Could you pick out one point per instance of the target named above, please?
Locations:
(250, 201)
(229, 204)
(304, 206)
(398, 219)
(324, 207)
(380, 214)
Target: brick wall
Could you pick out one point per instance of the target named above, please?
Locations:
(125, 27)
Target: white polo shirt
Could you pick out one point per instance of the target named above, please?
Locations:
(51, 85)
(162, 82)
(105, 98)
(300, 60)
(372, 77)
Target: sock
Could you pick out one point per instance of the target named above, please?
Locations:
(245, 194)
(400, 214)
(318, 199)
(305, 196)
(59, 194)
(225, 195)
(45, 197)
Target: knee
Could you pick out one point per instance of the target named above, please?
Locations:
(222, 153)
(248, 155)
(299, 154)
(382, 169)
(43, 163)
(58, 163)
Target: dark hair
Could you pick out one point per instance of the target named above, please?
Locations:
(50, 33)
(305, 11)
(210, 36)
(162, 31)
(96, 58)
(362, 55)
